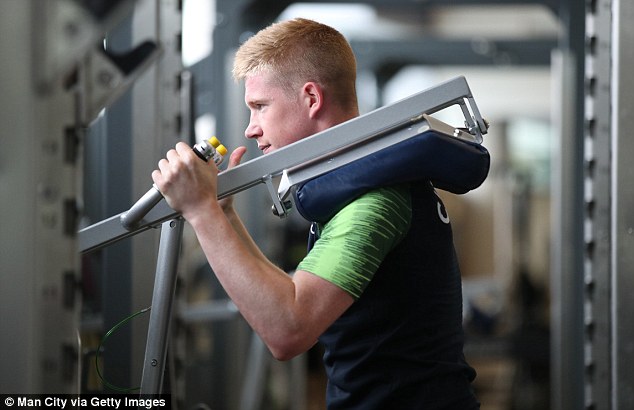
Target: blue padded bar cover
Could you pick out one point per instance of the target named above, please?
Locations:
(450, 164)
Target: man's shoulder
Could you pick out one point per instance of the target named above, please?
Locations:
(390, 196)
(391, 205)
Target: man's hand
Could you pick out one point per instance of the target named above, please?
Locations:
(187, 183)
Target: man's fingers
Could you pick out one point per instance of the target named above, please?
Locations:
(236, 156)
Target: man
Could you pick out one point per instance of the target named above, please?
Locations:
(381, 286)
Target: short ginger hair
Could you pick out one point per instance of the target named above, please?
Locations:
(300, 50)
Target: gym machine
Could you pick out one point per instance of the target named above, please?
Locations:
(286, 169)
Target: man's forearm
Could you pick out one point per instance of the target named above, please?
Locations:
(241, 230)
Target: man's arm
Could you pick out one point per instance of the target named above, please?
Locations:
(288, 313)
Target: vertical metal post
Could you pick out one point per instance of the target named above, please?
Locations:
(609, 224)
(622, 228)
(117, 272)
(40, 167)
(254, 381)
(566, 278)
(597, 201)
(162, 301)
(567, 273)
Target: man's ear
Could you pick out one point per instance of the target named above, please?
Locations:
(313, 97)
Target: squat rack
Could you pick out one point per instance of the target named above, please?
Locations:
(280, 171)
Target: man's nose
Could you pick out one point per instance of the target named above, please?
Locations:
(252, 131)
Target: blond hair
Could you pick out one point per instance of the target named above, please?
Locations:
(301, 50)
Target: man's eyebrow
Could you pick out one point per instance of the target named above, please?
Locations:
(255, 101)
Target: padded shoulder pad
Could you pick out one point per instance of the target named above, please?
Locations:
(450, 164)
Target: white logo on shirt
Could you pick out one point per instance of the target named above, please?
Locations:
(442, 213)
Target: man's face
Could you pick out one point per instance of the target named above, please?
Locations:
(276, 119)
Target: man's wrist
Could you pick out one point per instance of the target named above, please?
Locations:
(204, 216)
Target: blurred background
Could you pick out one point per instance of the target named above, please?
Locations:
(94, 92)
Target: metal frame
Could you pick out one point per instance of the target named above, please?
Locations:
(137, 80)
(309, 157)
(622, 227)
(162, 303)
(60, 48)
(43, 100)
(596, 291)
(396, 119)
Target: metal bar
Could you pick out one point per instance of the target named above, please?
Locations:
(317, 148)
(255, 375)
(622, 224)
(223, 309)
(162, 302)
(381, 121)
(433, 51)
(566, 266)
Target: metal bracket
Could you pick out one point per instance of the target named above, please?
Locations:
(108, 76)
(280, 208)
(476, 125)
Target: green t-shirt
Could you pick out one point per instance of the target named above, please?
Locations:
(352, 245)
